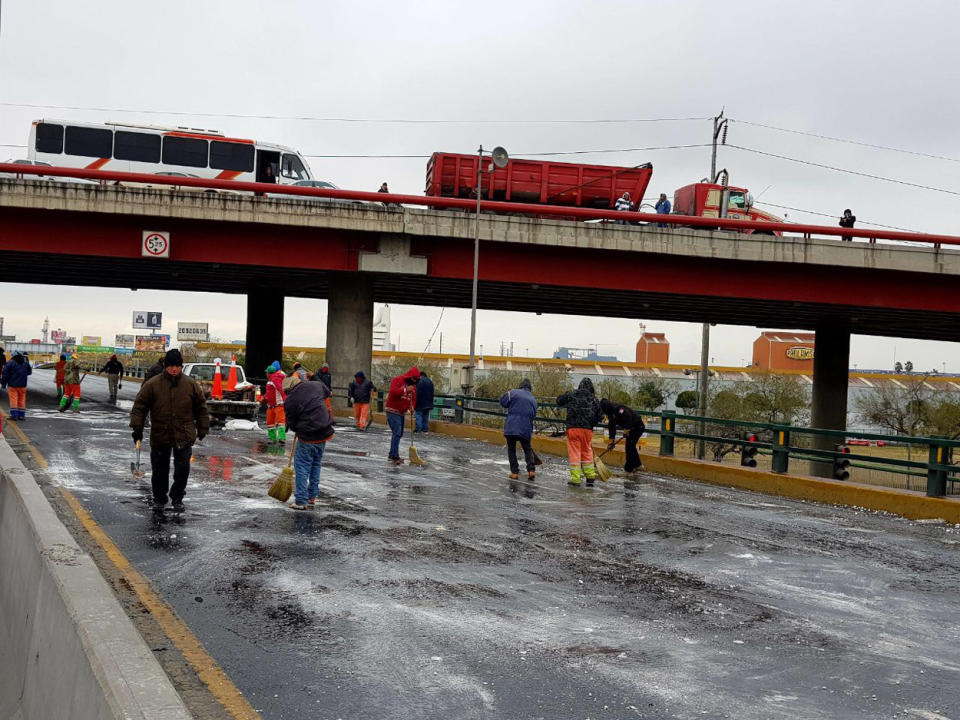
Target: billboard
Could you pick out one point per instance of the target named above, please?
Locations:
(98, 349)
(154, 343)
(123, 341)
(147, 319)
(91, 340)
(193, 331)
(58, 336)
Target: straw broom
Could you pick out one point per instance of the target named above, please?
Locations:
(603, 472)
(415, 458)
(282, 487)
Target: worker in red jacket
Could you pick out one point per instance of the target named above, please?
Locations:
(401, 399)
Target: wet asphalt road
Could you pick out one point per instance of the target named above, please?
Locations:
(441, 593)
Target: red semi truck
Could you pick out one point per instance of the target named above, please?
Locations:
(705, 199)
(537, 181)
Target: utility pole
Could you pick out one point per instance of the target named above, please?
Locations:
(719, 124)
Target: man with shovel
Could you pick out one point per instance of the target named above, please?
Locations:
(178, 418)
(632, 426)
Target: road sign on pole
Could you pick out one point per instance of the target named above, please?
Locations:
(156, 244)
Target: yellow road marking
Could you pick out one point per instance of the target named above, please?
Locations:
(209, 672)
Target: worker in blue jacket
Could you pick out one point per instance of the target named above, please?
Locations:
(521, 408)
(424, 403)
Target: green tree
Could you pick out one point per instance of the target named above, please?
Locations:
(688, 400)
(653, 393)
(614, 390)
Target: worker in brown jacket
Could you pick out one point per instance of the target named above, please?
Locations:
(178, 418)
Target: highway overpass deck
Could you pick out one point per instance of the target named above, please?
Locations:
(442, 592)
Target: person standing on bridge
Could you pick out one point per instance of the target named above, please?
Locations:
(424, 405)
(359, 394)
(521, 408)
(401, 399)
(309, 417)
(662, 207)
(14, 377)
(623, 204)
(71, 384)
(632, 425)
(847, 221)
(114, 370)
(583, 412)
(275, 398)
(59, 369)
(178, 418)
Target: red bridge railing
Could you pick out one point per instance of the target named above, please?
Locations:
(548, 211)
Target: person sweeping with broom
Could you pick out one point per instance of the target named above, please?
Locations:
(632, 425)
(309, 418)
(401, 399)
(275, 398)
(521, 408)
(583, 412)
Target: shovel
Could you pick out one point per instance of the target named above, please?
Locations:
(135, 466)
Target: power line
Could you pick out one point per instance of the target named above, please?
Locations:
(846, 140)
(411, 121)
(834, 216)
(524, 154)
(844, 170)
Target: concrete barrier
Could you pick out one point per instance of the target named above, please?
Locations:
(67, 648)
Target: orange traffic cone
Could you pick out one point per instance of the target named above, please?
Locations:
(217, 392)
(232, 377)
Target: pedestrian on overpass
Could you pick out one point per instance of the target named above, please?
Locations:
(359, 394)
(59, 369)
(309, 417)
(178, 418)
(14, 378)
(71, 384)
(847, 221)
(662, 208)
(623, 204)
(401, 399)
(424, 405)
(521, 408)
(583, 412)
(276, 415)
(114, 370)
(632, 426)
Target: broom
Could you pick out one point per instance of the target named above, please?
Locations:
(282, 487)
(415, 458)
(603, 472)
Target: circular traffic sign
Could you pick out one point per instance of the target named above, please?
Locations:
(155, 244)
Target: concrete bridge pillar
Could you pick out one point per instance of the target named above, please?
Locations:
(349, 330)
(264, 330)
(831, 363)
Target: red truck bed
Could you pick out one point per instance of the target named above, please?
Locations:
(537, 181)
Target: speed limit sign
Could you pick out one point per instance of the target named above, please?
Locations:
(155, 244)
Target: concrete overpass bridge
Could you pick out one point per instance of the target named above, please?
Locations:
(360, 252)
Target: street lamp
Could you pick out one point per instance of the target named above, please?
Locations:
(499, 159)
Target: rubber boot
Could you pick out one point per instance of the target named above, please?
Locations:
(513, 476)
(282, 434)
(271, 435)
(575, 474)
(531, 475)
(591, 473)
(64, 401)
(76, 405)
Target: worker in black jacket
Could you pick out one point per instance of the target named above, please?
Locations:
(114, 371)
(632, 425)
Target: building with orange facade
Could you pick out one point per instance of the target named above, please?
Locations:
(653, 349)
(782, 350)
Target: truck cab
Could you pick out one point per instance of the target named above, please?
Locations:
(705, 199)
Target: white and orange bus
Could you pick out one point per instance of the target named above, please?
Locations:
(163, 150)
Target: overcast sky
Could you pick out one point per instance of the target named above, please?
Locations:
(881, 73)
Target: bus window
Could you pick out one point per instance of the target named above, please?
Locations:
(141, 147)
(231, 156)
(292, 168)
(88, 142)
(49, 138)
(189, 152)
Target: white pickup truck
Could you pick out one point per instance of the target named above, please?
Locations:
(241, 402)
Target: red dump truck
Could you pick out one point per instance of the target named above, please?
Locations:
(537, 181)
(705, 199)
